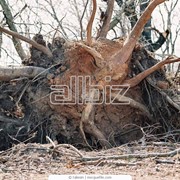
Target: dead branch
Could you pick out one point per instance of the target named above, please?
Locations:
(107, 18)
(9, 20)
(44, 49)
(137, 79)
(90, 23)
(129, 156)
(133, 104)
(9, 73)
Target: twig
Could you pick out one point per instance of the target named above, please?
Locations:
(50, 140)
(159, 161)
(71, 147)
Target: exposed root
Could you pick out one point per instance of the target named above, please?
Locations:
(123, 55)
(137, 79)
(90, 23)
(87, 120)
(150, 81)
(133, 104)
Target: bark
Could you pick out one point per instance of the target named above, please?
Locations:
(107, 19)
(9, 73)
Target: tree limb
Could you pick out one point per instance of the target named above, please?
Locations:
(9, 73)
(128, 156)
(9, 20)
(23, 38)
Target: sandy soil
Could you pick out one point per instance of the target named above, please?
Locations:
(37, 162)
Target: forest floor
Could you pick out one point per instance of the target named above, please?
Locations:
(37, 161)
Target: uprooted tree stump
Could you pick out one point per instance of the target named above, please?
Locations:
(31, 97)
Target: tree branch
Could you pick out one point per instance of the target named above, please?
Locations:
(9, 20)
(107, 19)
(23, 38)
(9, 73)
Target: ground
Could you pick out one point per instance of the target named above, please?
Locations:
(37, 161)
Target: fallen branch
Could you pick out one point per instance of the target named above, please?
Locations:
(129, 156)
(160, 161)
(44, 49)
(9, 73)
